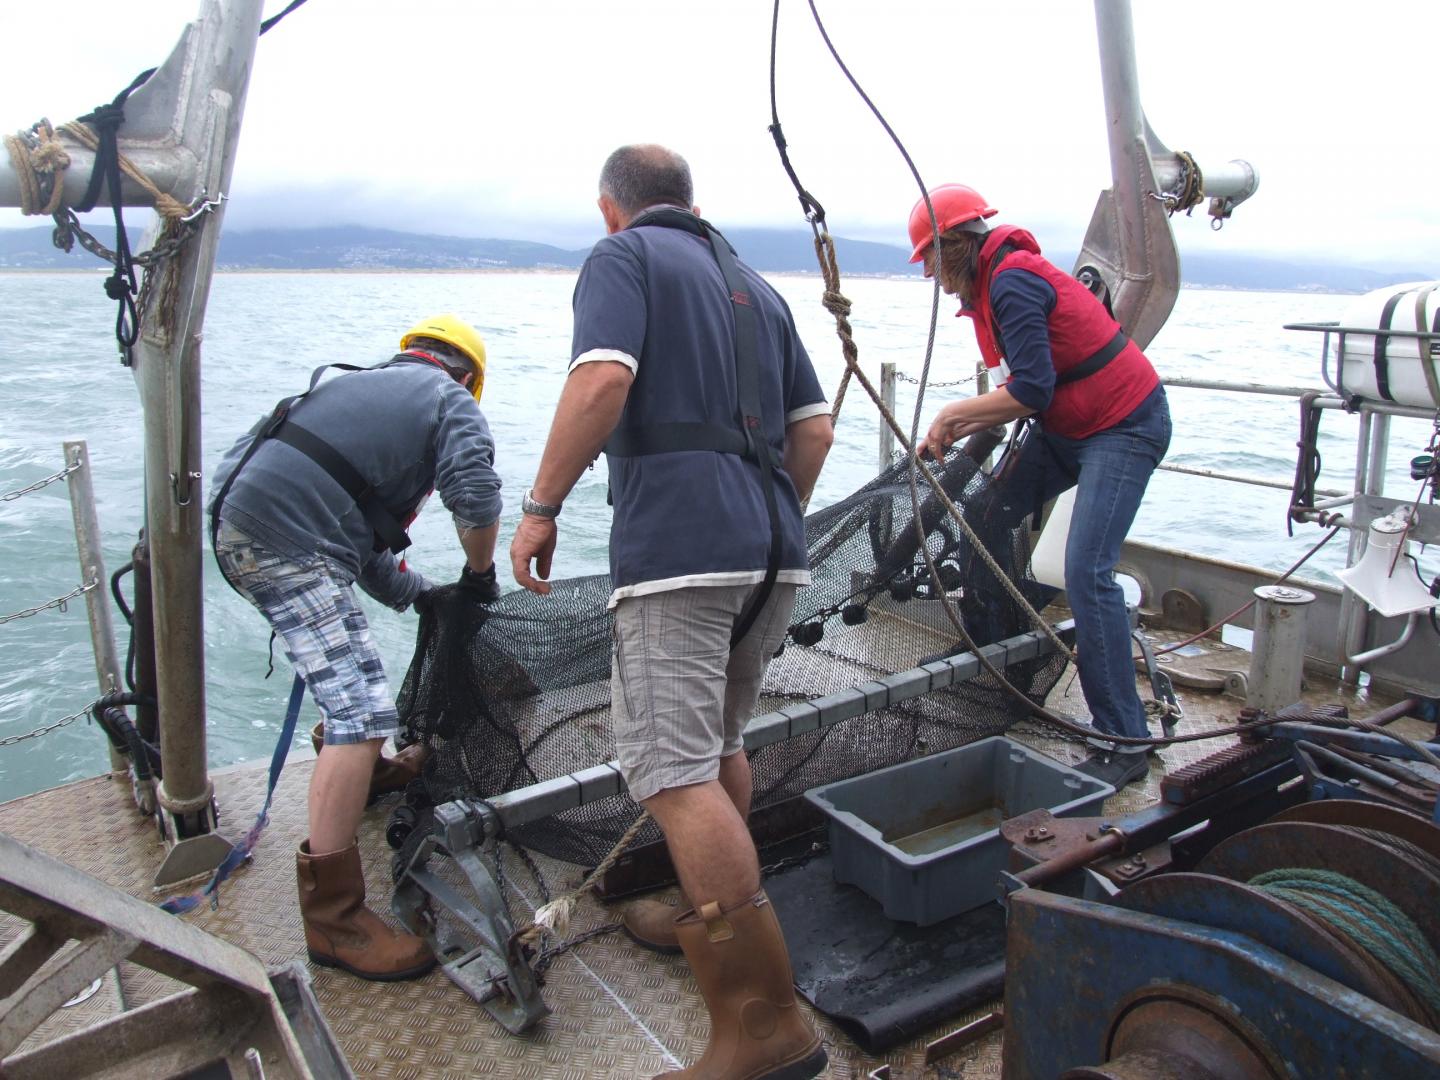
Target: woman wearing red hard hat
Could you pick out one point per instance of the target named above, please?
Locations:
(1101, 426)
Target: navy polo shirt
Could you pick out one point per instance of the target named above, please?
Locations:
(654, 299)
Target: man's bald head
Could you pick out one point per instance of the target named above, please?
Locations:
(644, 175)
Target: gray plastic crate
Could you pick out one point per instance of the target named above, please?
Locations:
(923, 837)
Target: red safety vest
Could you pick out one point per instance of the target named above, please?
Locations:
(1079, 328)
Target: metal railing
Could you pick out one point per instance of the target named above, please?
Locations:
(77, 475)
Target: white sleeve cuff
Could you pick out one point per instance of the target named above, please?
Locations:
(614, 355)
(804, 412)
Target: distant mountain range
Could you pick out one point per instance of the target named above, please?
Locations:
(767, 250)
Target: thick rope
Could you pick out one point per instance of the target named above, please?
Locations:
(554, 917)
(838, 304)
(39, 160)
(167, 206)
(1365, 917)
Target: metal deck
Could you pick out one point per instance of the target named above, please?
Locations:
(619, 1011)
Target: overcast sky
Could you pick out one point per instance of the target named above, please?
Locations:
(484, 119)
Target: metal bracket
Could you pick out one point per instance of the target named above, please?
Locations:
(477, 945)
(1160, 685)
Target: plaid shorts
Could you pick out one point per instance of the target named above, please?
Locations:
(679, 697)
(324, 631)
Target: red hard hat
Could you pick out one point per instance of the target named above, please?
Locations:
(954, 205)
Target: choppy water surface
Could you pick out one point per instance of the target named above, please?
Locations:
(59, 379)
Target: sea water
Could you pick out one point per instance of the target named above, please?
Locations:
(60, 378)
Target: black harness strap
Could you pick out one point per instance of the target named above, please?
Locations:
(1095, 361)
(747, 439)
(1382, 348)
(669, 438)
(389, 533)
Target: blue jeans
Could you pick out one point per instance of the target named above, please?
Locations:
(1110, 470)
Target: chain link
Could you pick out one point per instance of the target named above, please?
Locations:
(11, 496)
(13, 739)
(58, 602)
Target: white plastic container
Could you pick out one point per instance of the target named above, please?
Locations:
(1367, 358)
(1047, 560)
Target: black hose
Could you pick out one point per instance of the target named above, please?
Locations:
(118, 595)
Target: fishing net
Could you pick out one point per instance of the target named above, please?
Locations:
(516, 692)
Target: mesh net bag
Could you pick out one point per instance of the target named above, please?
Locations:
(517, 692)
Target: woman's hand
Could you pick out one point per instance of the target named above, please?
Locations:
(949, 426)
(963, 418)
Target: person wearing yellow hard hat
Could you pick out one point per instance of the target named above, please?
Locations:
(315, 499)
(1097, 420)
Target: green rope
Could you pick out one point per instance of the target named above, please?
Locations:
(1366, 917)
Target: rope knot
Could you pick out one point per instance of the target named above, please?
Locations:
(836, 303)
(116, 287)
(105, 116)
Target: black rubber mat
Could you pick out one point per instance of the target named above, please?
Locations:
(883, 981)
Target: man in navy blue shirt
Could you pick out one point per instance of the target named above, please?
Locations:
(707, 548)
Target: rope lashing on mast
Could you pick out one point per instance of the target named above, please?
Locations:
(167, 206)
(1189, 189)
(39, 160)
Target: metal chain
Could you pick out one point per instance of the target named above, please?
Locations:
(817, 848)
(11, 496)
(58, 602)
(68, 229)
(13, 739)
(546, 958)
(902, 377)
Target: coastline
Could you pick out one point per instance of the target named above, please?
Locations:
(555, 271)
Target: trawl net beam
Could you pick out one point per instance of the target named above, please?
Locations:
(537, 802)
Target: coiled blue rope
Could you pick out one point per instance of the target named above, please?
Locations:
(1366, 917)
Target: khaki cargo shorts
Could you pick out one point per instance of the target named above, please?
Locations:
(679, 698)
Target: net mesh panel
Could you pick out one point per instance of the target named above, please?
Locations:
(516, 692)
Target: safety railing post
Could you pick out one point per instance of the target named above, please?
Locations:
(887, 396)
(92, 568)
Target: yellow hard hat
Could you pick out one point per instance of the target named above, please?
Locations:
(453, 330)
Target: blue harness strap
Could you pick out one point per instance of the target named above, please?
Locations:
(178, 905)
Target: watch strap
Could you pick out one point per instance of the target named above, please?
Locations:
(530, 505)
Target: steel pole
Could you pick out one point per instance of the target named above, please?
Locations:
(1125, 122)
(215, 58)
(171, 169)
(1352, 611)
(92, 568)
(887, 395)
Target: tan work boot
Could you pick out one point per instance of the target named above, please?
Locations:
(340, 931)
(391, 773)
(757, 1031)
(651, 924)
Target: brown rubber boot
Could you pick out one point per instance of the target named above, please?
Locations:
(391, 773)
(340, 931)
(757, 1031)
(651, 924)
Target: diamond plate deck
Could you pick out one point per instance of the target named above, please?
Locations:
(619, 1011)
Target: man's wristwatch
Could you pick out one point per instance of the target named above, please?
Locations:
(528, 505)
